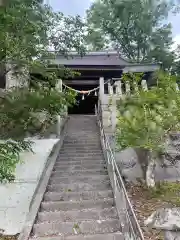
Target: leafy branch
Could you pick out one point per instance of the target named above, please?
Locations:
(147, 117)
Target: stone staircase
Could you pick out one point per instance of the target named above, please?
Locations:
(78, 203)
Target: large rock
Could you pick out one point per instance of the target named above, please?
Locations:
(175, 136)
(167, 170)
(127, 161)
(167, 219)
(170, 235)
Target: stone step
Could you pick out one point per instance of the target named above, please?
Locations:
(81, 141)
(84, 130)
(74, 136)
(79, 172)
(107, 236)
(80, 163)
(83, 122)
(74, 228)
(73, 133)
(78, 130)
(80, 149)
(80, 158)
(73, 167)
(69, 216)
(81, 154)
(78, 203)
(94, 133)
(74, 205)
(81, 178)
(89, 126)
(78, 196)
(78, 187)
(84, 159)
(87, 135)
(81, 145)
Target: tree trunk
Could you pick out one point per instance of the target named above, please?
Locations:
(142, 159)
(150, 171)
(147, 161)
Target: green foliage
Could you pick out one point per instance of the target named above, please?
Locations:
(96, 40)
(147, 117)
(28, 30)
(136, 28)
(17, 121)
(164, 191)
(176, 66)
(9, 157)
(76, 227)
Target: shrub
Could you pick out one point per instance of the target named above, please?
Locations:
(19, 116)
(9, 157)
(147, 117)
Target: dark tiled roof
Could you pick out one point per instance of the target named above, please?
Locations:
(103, 58)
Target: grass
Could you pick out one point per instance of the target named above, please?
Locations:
(8, 237)
(77, 228)
(165, 191)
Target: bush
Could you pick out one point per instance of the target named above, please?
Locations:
(9, 157)
(147, 117)
(20, 115)
(19, 110)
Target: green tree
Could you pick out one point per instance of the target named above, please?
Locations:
(146, 118)
(28, 30)
(95, 40)
(136, 28)
(176, 64)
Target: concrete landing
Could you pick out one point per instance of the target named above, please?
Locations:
(16, 197)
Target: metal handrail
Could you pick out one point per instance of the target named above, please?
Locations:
(129, 223)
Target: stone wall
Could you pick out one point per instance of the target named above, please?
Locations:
(16, 79)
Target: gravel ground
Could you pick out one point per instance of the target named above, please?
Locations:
(8, 237)
(146, 202)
